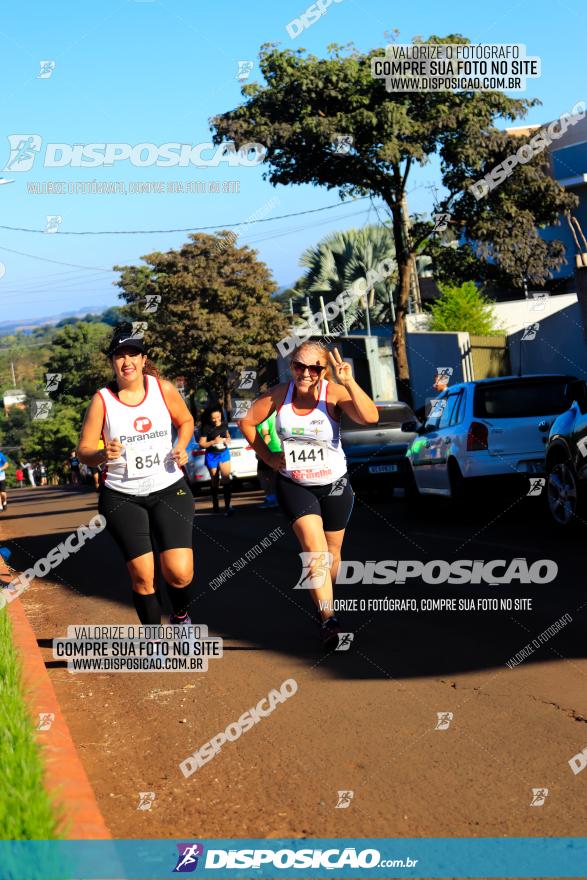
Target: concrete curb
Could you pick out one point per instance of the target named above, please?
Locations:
(65, 777)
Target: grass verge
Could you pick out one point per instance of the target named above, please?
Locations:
(26, 811)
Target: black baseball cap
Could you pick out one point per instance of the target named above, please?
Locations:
(123, 336)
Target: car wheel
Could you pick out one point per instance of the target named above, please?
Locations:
(562, 494)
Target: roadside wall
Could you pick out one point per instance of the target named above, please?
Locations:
(429, 351)
(558, 346)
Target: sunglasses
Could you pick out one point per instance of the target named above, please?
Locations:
(313, 369)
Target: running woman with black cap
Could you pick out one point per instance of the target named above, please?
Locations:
(144, 495)
(313, 488)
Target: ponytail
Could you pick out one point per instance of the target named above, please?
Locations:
(151, 370)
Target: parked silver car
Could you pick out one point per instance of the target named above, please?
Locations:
(493, 428)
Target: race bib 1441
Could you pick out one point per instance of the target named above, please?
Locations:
(305, 455)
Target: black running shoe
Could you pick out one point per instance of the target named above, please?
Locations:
(181, 621)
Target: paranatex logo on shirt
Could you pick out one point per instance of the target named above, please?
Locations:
(132, 438)
(142, 424)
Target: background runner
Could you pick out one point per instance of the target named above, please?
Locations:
(265, 473)
(215, 439)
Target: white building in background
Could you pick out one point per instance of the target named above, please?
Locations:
(544, 335)
(14, 397)
(516, 314)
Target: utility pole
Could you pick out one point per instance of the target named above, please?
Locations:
(345, 331)
(391, 305)
(367, 315)
(324, 318)
(415, 295)
(13, 374)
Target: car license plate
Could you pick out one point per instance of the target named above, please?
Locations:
(235, 452)
(382, 468)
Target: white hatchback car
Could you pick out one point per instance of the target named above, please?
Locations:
(243, 460)
(486, 429)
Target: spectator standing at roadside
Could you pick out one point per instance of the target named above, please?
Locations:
(3, 467)
(20, 477)
(30, 472)
(439, 384)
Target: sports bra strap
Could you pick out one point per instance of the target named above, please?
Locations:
(288, 394)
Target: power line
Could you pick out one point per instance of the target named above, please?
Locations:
(252, 241)
(70, 275)
(72, 286)
(272, 235)
(50, 298)
(55, 287)
(187, 229)
(62, 286)
(47, 260)
(292, 230)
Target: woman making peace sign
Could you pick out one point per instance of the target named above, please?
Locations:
(313, 488)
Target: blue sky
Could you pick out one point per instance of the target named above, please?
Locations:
(154, 72)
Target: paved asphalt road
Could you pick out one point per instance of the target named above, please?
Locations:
(362, 720)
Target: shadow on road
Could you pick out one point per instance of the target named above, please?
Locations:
(259, 608)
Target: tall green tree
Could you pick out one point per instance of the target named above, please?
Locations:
(14, 427)
(306, 101)
(77, 353)
(53, 438)
(215, 316)
(19, 353)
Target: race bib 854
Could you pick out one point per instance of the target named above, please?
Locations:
(144, 459)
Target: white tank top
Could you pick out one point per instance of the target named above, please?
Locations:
(314, 453)
(145, 431)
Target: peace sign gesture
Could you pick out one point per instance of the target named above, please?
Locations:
(342, 370)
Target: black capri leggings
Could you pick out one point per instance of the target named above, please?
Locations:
(132, 520)
(333, 502)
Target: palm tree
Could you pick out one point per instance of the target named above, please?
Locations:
(342, 258)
